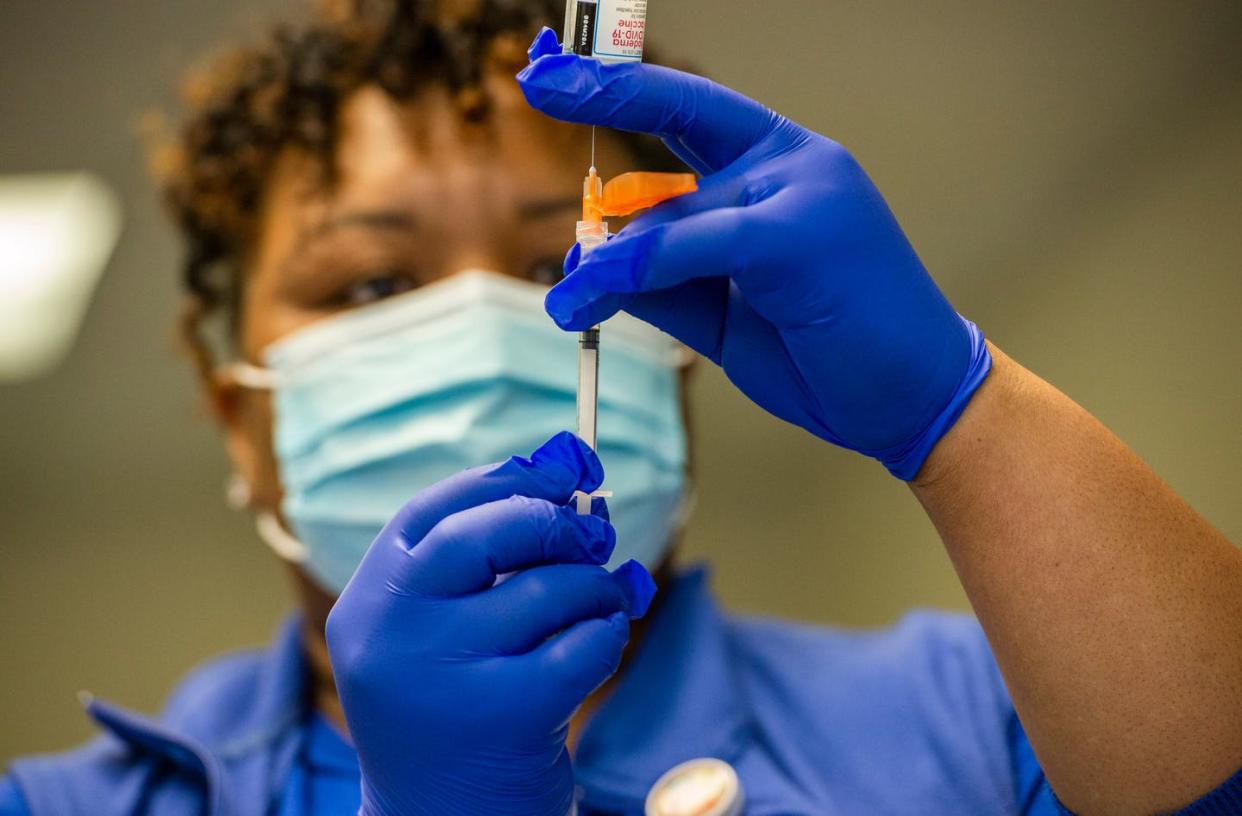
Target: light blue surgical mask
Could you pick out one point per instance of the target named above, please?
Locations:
(375, 404)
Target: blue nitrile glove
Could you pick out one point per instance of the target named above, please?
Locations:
(786, 268)
(458, 690)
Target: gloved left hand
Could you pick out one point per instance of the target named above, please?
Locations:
(458, 690)
(786, 267)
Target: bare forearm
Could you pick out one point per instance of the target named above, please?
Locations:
(1112, 607)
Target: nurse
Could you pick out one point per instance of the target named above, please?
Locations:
(376, 209)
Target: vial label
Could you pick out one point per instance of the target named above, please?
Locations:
(607, 30)
(619, 31)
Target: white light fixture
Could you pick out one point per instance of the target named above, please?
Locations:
(56, 234)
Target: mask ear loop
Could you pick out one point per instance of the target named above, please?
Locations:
(270, 531)
(251, 376)
(278, 538)
(237, 491)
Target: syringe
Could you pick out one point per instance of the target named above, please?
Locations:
(624, 195)
(591, 233)
(608, 31)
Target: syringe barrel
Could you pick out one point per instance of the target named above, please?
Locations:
(588, 385)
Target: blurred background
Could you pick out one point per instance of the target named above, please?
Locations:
(1071, 172)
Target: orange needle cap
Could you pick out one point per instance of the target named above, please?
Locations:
(630, 192)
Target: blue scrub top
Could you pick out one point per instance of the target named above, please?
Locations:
(325, 778)
(913, 719)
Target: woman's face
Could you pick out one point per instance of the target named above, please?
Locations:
(421, 193)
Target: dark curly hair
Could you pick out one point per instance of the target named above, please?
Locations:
(287, 91)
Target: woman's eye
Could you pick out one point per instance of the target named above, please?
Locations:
(547, 271)
(376, 288)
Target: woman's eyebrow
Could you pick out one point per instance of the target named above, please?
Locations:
(373, 219)
(535, 209)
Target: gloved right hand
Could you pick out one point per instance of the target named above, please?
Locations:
(786, 267)
(458, 690)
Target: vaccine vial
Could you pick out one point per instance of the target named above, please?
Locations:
(606, 30)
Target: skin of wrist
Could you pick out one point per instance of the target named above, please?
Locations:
(956, 448)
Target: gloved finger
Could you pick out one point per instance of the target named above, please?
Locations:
(532, 606)
(690, 320)
(560, 466)
(693, 312)
(709, 244)
(466, 551)
(703, 313)
(715, 124)
(567, 668)
(545, 43)
(687, 156)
